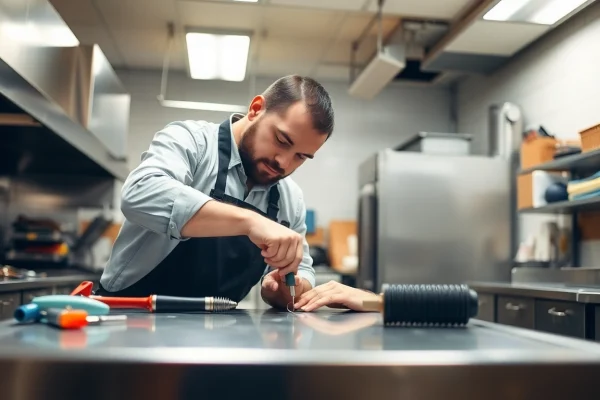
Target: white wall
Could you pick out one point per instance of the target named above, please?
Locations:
(330, 180)
(556, 82)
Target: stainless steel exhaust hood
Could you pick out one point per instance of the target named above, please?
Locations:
(46, 76)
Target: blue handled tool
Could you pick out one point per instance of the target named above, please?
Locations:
(91, 306)
(28, 313)
(34, 311)
(290, 280)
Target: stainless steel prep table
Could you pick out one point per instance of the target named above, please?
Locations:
(269, 354)
(580, 294)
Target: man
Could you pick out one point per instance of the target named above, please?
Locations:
(211, 209)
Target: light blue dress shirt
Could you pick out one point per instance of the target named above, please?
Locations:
(170, 185)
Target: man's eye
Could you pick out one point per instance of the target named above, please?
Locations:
(279, 140)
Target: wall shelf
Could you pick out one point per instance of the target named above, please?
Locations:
(581, 164)
(566, 207)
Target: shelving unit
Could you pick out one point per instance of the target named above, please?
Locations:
(579, 166)
(566, 207)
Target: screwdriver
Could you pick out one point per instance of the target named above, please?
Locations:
(74, 319)
(290, 280)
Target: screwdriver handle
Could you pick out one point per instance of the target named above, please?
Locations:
(127, 302)
(65, 318)
(290, 279)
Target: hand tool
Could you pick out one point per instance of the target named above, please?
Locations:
(428, 305)
(32, 312)
(158, 303)
(290, 280)
(90, 305)
(74, 319)
(27, 313)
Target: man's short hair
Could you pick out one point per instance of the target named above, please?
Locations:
(290, 89)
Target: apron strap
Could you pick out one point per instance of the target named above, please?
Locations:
(224, 156)
(273, 208)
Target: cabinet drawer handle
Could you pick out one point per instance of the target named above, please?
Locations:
(555, 313)
(512, 307)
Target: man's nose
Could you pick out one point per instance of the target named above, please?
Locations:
(283, 160)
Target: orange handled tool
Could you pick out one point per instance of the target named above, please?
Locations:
(85, 289)
(158, 303)
(75, 319)
(127, 302)
(65, 318)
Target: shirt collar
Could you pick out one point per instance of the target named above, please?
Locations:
(235, 158)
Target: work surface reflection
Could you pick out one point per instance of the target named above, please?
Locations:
(270, 329)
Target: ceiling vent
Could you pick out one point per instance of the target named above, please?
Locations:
(380, 71)
(398, 60)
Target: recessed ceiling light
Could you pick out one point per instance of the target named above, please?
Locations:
(217, 56)
(544, 12)
(247, 1)
(555, 10)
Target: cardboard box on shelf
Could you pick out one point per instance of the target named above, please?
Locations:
(525, 191)
(537, 151)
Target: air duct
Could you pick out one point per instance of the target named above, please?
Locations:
(380, 71)
(383, 67)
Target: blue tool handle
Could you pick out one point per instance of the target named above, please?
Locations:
(92, 306)
(27, 313)
(290, 279)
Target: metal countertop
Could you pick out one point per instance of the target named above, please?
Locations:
(305, 350)
(52, 278)
(579, 294)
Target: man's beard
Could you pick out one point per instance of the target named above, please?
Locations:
(250, 163)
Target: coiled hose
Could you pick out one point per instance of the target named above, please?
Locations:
(434, 305)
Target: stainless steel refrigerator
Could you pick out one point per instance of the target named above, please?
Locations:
(430, 218)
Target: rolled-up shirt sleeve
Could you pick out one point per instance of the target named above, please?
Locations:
(156, 195)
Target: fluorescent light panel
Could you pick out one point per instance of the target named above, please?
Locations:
(544, 12)
(198, 105)
(217, 56)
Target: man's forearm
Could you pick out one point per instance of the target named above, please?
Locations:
(216, 219)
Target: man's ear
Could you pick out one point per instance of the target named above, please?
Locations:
(257, 106)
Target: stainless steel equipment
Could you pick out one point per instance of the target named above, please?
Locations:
(438, 143)
(75, 101)
(341, 355)
(429, 218)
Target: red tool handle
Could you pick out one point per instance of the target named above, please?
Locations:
(126, 302)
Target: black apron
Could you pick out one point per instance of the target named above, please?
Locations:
(213, 266)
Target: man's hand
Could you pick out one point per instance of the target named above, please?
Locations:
(275, 292)
(334, 295)
(281, 246)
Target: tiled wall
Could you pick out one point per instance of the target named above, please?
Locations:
(329, 181)
(556, 82)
